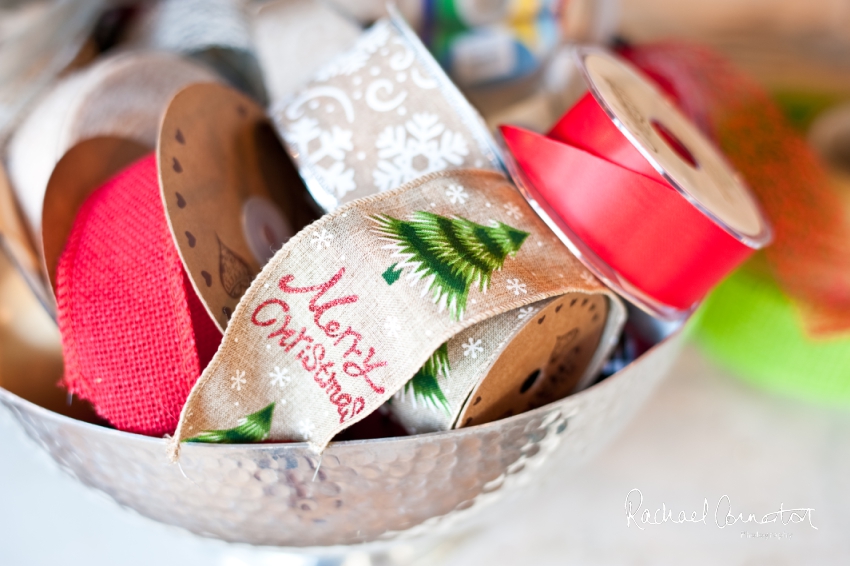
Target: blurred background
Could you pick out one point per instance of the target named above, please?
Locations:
(756, 407)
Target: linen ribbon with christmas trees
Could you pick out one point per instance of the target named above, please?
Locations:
(354, 306)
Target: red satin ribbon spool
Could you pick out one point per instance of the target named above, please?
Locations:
(626, 221)
(135, 335)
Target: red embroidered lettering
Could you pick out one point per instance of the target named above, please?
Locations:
(331, 328)
(323, 369)
(353, 348)
(318, 356)
(302, 337)
(342, 402)
(358, 406)
(354, 370)
(332, 387)
(311, 354)
(284, 331)
(318, 310)
(263, 305)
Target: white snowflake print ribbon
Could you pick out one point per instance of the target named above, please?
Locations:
(422, 145)
(340, 337)
(389, 98)
(326, 151)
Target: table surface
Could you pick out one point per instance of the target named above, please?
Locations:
(703, 435)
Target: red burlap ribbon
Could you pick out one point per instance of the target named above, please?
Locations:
(134, 334)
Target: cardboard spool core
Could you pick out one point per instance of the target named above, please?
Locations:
(672, 144)
(229, 190)
(544, 362)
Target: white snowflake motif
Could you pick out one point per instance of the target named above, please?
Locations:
(238, 380)
(337, 178)
(516, 286)
(472, 348)
(334, 144)
(392, 326)
(306, 428)
(422, 145)
(513, 211)
(525, 313)
(322, 239)
(302, 132)
(587, 278)
(280, 377)
(457, 194)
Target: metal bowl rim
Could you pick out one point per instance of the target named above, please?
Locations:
(47, 414)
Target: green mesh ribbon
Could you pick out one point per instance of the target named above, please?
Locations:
(752, 328)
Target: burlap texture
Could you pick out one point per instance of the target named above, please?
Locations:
(343, 315)
(134, 334)
(379, 115)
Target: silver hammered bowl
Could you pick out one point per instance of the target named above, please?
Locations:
(359, 491)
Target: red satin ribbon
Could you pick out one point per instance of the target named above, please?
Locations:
(613, 199)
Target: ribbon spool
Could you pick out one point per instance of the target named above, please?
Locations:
(207, 170)
(636, 191)
(120, 97)
(545, 351)
(328, 331)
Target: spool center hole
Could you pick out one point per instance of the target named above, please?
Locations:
(529, 381)
(675, 143)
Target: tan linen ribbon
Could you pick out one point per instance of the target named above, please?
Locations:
(343, 316)
(123, 96)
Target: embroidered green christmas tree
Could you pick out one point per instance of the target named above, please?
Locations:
(253, 428)
(425, 385)
(450, 254)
